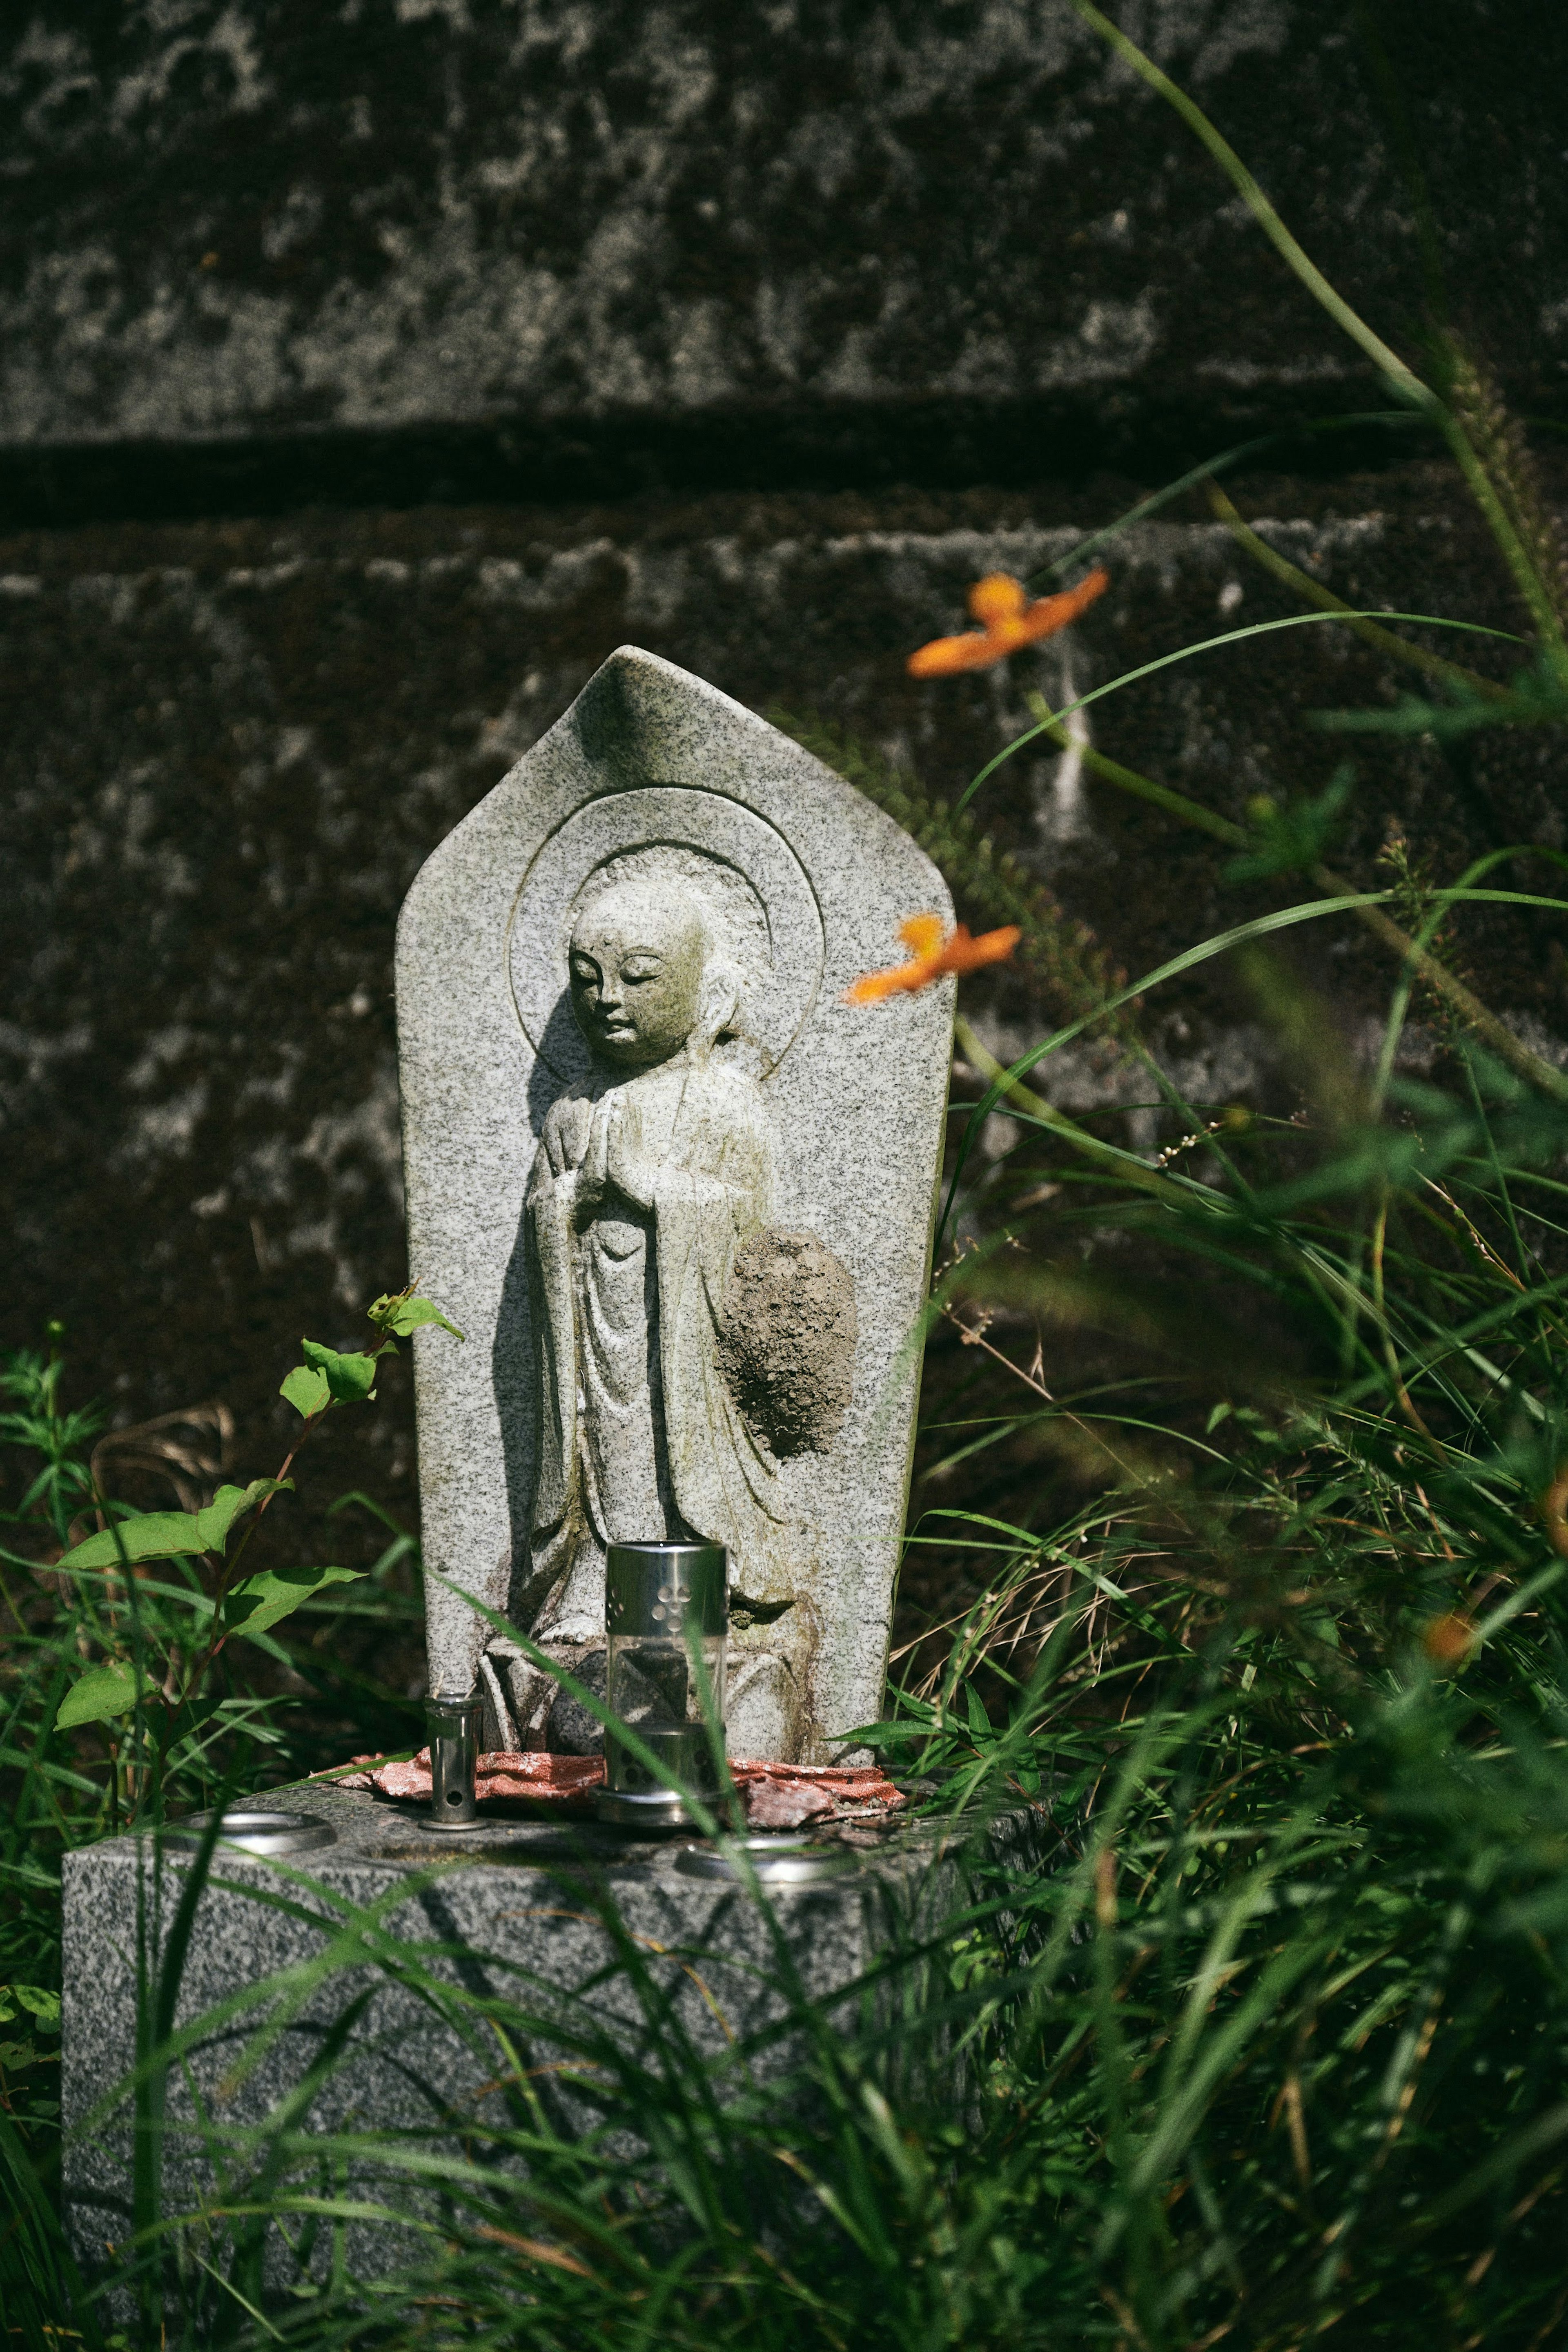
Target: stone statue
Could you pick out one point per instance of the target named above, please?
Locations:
(651, 1171)
(680, 1196)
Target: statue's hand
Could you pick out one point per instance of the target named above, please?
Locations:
(591, 1177)
(566, 1130)
(557, 1178)
(548, 1190)
(627, 1165)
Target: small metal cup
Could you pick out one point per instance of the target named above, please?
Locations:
(665, 1606)
(453, 1725)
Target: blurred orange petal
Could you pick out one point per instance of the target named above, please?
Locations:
(959, 953)
(1009, 622)
(997, 597)
(878, 984)
(945, 657)
(1053, 613)
(921, 934)
(964, 954)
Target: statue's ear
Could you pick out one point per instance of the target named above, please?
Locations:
(720, 999)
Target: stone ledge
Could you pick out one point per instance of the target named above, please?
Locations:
(226, 217)
(604, 1939)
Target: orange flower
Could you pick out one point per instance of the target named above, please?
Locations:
(1449, 1639)
(1008, 621)
(930, 956)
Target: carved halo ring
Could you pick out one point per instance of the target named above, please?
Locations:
(751, 886)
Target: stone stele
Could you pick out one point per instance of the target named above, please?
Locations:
(679, 1197)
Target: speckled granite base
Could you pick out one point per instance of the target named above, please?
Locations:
(606, 1945)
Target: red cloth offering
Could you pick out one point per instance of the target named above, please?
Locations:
(787, 1796)
(775, 1796)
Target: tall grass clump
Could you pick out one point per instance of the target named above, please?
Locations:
(1273, 2043)
(1246, 1469)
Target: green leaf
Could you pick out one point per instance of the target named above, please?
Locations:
(352, 1379)
(306, 1391)
(43, 2006)
(101, 1692)
(232, 1503)
(172, 1534)
(1294, 838)
(1534, 698)
(257, 1605)
(403, 1313)
(150, 1535)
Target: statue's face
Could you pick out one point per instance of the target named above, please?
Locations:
(637, 961)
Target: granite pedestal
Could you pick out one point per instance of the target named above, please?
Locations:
(621, 1973)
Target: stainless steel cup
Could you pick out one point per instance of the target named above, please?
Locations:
(667, 1620)
(453, 1726)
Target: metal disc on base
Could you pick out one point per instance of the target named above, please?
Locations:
(254, 1831)
(652, 1813)
(776, 1861)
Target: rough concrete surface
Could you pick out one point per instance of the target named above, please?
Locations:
(231, 216)
(229, 747)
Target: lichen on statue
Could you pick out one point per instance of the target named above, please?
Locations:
(650, 1172)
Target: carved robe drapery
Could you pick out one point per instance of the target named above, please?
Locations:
(640, 1436)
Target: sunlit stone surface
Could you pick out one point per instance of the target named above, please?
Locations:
(625, 1055)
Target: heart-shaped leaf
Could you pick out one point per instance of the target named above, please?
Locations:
(232, 1503)
(306, 1391)
(102, 1692)
(261, 1601)
(403, 1314)
(172, 1534)
(350, 1380)
(43, 2006)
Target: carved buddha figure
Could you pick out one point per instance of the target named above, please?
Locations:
(650, 1172)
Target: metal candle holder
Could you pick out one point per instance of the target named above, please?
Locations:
(666, 1622)
(453, 1726)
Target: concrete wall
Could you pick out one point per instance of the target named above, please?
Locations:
(589, 222)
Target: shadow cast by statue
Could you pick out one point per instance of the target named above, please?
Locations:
(514, 1371)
